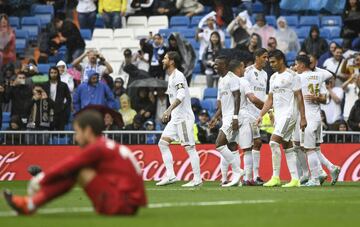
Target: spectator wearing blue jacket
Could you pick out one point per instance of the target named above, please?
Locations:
(94, 92)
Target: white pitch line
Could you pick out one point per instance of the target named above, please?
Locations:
(150, 206)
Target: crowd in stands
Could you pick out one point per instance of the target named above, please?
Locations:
(38, 100)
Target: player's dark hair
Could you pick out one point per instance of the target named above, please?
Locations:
(259, 52)
(234, 64)
(303, 59)
(223, 58)
(278, 54)
(173, 55)
(92, 119)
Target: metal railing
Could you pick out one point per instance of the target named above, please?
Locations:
(128, 137)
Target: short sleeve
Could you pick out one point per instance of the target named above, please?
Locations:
(234, 84)
(246, 87)
(271, 85)
(179, 82)
(296, 83)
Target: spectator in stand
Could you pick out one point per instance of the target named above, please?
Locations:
(101, 67)
(334, 65)
(354, 117)
(264, 30)
(328, 54)
(119, 89)
(135, 126)
(324, 123)
(140, 7)
(29, 68)
(351, 13)
(142, 57)
(15, 125)
(332, 108)
(224, 12)
(165, 7)
(253, 44)
(142, 104)
(158, 53)
(151, 138)
(70, 36)
(189, 8)
(112, 12)
(246, 5)
(205, 134)
(65, 76)
(109, 123)
(314, 44)
(128, 60)
(351, 89)
(272, 44)
(209, 56)
(20, 95)
(341, 126)
(203, 35)
(2, 97)
(126, 111)
(93, 92)
(7, 41)
(161, 105)
(86, 10)
(237, 29)
(108, 80)
(271, 7)
(59, 93)
(286, 37)
(57, 4)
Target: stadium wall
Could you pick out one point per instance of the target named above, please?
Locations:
(14, 161)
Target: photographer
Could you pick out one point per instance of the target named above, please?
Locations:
(20, 95)
(96, 62)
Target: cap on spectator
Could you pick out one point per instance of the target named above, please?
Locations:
(204, 112)
(127, 53)
(149, 122)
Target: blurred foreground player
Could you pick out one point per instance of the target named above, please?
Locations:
(107, 171)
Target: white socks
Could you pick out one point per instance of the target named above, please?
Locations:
(256, 163)
(167, 158)
(229, 157)
(224, 167)
(195, 162)
(248, 165)
(301, 156)
(291, 162)
(276, 158)
(314, 164)
(324, 160)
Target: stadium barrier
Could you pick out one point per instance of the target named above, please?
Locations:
(129, 137)
(14, 161)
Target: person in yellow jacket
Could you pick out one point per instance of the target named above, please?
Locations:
(112, 12)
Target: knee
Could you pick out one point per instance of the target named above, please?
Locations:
(190, 148)
(257, 143)
(85, 175)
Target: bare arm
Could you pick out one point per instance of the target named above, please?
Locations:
(267, 105)
(346, 83)
(332, 94)
(78, 60)
(257, 102)
(217, 115)
(300, 102)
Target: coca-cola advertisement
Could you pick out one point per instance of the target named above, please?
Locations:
(14, 161)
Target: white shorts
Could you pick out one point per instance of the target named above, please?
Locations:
(311, 135)
(246, 139)
(226, 128)
(297, 131)
(183, 131)
(284, 127)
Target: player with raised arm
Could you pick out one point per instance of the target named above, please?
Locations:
(257, 78)
(180, 120)
(228, 106)
(286, 98)
(108, 173)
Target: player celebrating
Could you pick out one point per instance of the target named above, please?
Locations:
(228, 106)
(285, 95)
(180, 126)
(257, 77)
(108, 172)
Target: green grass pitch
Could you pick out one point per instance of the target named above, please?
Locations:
(209, 205)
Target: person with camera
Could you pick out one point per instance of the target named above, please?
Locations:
(20, 95)
(96, 62)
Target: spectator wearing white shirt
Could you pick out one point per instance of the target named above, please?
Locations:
(332, 108)
(86, 10)
(189, 7)
(65, 76)
(334, 65)
(96, 62)
(351, 88)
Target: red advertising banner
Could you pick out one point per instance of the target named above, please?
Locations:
(14, 161)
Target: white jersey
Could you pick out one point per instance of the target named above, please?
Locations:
(282, 86)
(258, 81)
(312, 83)
(177, 81)
(245, 89)
(227, 85)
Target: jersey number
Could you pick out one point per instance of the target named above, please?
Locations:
(314, 89)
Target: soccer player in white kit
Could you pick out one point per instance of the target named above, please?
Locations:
(180, 126)
(286, 97)
(257, 78)
(228, 106)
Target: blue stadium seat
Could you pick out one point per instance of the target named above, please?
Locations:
(179, 21)
(338, 41)
(165, 32)
(32, 25)
(5, 117)
(335, 32)
(59, 140)
(86, 34)
(42, 9)
(209, 105)
(271, 20)
(99, 23)
(309, 20)
(292, 21)
(210, 93)
(188, 33)
(207, 9)
(21, 34)
(302, 32)
(62, 49)
(197, 69)
(14, 22)
(43, 68)
(195, 21)
(325, 33)
(194, 44)
(257, 7)
(290, 56)
(45, 19)
(21, 45)
(331, 21)
(56, 58)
